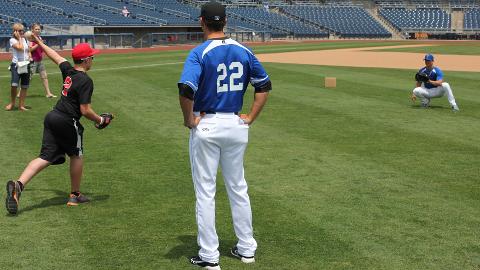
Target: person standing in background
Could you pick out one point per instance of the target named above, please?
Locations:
(19, 67)
(37, 56)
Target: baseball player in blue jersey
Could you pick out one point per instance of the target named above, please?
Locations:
(211, 89)
(434, 86)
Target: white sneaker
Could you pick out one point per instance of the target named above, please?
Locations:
(244, 259)
(195, 260)
(455, 108)
(425, 102)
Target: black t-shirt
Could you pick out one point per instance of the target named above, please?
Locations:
(77, 89)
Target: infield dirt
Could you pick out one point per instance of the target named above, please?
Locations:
(369, 57)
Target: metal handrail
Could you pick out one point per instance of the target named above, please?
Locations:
(90, 18)
(47, 7)
(151, 19)
(10, 19)
(176, 12)
(143, 5)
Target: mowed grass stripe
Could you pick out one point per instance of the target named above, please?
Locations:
(381, 103)
(322, 45)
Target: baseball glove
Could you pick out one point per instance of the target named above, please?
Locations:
(106, 119)
(421, 77)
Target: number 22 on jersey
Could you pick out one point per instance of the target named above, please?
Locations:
(234, 71)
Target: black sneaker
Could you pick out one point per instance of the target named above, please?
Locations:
(244, 259)
(13, 196)
(195, 260)
(74, 200)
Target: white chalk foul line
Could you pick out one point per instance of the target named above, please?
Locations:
(115, 68)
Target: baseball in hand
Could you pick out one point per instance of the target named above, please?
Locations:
(28, 35)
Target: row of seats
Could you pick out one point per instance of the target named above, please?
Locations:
(278, 24)
(426, 3)
(96, 12)
(472, 19)
(346, 21)
(457, 4)
(28, 14)
(5, 29)
(173, 15)
(78, 8)
(416, 19)
(344, 18)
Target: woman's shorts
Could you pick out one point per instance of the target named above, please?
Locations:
(16, 78)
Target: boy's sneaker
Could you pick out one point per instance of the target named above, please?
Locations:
(74, 200)
(195, 260)
(13, 196)
(455, 108)
(244, 259)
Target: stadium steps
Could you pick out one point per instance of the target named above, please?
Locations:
(396, 34)
(458, 17)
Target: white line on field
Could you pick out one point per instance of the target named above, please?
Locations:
(115, 68)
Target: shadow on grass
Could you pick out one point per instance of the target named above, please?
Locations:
(419, 107)
(60, 199)
(39, 96)
(188, 248)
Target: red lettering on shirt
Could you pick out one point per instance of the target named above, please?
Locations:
(66, 85)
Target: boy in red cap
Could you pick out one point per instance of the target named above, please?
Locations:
(63, 133)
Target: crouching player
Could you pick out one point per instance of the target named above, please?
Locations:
(63, 133)
(434, 87)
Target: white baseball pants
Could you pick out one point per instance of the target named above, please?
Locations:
(220, 139)
(439, 91)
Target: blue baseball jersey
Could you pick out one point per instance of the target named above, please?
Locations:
(434, 74)
(219, 71)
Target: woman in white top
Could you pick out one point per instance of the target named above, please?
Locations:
(19, 67)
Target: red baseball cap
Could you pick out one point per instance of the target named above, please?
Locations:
(82, 51)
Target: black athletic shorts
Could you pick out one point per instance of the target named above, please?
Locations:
(61, 135)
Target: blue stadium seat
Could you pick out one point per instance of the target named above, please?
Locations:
(472, 20)
(417, 19)
(345, 21)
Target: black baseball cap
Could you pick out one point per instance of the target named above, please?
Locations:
(213, 11)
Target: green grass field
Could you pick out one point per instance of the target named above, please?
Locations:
(349, 178)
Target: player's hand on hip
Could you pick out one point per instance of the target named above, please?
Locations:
(246, 119)
(193, 123)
